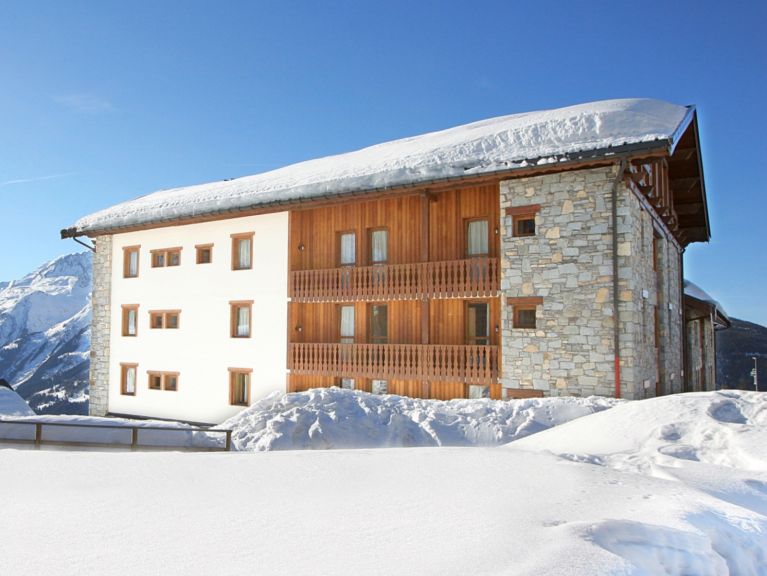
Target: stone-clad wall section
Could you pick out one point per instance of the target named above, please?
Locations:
(569, 264)
(100, 326)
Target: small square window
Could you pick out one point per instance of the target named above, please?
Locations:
(166, 257)
(156, 319)
(476, 392)
(204, 253)
(379, 386)
(170, 382)
(347, 383)
(155, 381)
(168, 319)
(524, 316)
(524, 225)
(171, 320)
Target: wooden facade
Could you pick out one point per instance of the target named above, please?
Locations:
(425, 263)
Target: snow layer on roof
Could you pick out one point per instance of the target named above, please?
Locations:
(502, 143)
(694, 291)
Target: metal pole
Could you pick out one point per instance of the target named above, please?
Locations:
(755, 375)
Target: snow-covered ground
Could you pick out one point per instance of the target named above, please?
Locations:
(675, 485)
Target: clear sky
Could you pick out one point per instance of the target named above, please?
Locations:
(103, 101)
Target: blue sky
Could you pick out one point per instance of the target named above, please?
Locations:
(105, 101)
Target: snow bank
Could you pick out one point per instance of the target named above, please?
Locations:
(336, 418)
(503, 143)
(11, 404)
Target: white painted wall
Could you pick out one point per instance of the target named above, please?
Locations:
(201, 349)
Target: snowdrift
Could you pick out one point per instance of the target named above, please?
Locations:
(335, 418)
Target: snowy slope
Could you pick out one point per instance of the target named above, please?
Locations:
(326, 418)
(514, 510)
(503, 143)
(45, 334)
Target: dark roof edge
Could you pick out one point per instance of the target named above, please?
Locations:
(561, 160)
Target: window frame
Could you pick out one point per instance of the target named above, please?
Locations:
(524, 303)
(517, 220)
(127, 251)
(377, 339)
(520, 213)
(199, 249)
(473, 341)
(339, 248)
(165, 253)
(385, 383)
(163, 375)
(164, 314)
(126, 310)
(124, 367)
(339, 323)
(234, 306)
(234, 253)
(466, 224)
(233, 373)
(372, 231)
(517, 323)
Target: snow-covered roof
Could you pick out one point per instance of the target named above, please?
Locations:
(694, 291)
(485, 147)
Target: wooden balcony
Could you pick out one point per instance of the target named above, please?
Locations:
(430, 362)
(470, 278)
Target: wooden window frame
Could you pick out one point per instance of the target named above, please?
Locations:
(520, 213)
(369, 318)
(234, 306)
(164, 314)
(518, 323)
(489, 336)
(339, 319)
(524, 303)
(127, 250)
(163, 376)
(466, 223)
(339, 245)
(236, 238)
(126, 309)
(198, 250)
(233, 373)
(124, 366)
(370, 232)
(165, 253)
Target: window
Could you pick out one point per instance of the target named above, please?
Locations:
(204, 253)
(347, 248)
(128, 379)
(130, 320)
(476, 392)
(346, 383)
(242, 251)
(523, 219)
(477, 323)
(167, 381)
(346, 324)
(379, 386)
(239, 386)
(130, 261)
(166, 257)
(167, 319)
(379, 245)
(524, 316)
(477, 237)
(378, 323)
(524, 225)
(240, 318)
(524, 310)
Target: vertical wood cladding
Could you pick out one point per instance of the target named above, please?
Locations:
(420, 227)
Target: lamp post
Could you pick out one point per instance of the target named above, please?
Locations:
(755, 374)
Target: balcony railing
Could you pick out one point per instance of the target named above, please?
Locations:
(431, 362)
(470, 278)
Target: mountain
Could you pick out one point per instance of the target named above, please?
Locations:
(736, 348)
(45, 335)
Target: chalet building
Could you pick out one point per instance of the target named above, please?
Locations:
(528, 255)
(703, 317)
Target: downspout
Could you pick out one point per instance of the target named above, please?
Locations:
(616, 295)
(88, 246)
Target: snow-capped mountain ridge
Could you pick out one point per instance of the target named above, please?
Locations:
(45, 333)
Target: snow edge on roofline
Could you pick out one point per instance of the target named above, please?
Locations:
(503, 145)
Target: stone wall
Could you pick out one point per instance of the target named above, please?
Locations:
(100, 326)
(568, 263)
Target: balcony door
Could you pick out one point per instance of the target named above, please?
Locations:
(477, 323)
(378, 323)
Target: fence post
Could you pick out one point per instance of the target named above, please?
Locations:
(134, 438)
(228, 446)
(38, 435)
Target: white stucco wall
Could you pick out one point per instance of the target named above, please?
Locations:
(201, 350)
